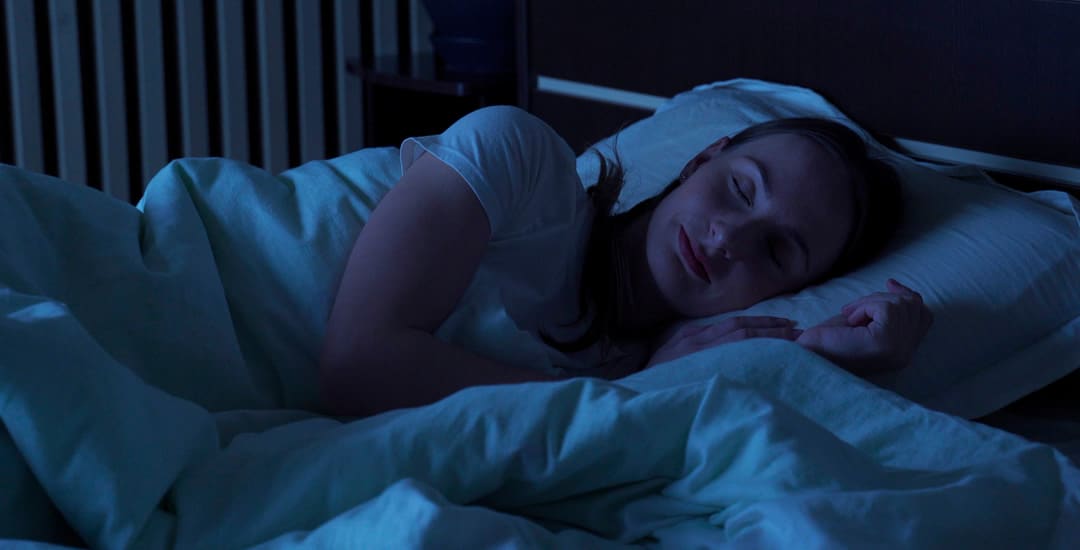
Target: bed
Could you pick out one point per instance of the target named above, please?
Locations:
(152, 396)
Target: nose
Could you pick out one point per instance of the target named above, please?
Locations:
(731, 241)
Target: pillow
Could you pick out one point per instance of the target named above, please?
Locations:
(998, 268)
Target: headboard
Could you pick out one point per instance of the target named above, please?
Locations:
(995, 83)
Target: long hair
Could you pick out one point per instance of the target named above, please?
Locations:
(605, 284)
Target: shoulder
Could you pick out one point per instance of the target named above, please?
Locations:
(513, 126)
(505, 116)
(515, 163)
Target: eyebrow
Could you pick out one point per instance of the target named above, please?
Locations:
(766, 188)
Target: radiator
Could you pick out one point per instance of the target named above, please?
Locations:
(106, 92)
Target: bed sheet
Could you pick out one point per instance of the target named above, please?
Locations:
(152, 356)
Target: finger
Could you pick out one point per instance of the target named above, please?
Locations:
(881, 318)
(859, 317)
(896, 287)
(831, 340)
(872, 314)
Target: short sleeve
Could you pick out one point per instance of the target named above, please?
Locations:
(506, 156)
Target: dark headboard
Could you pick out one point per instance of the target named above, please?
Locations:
(992, 76)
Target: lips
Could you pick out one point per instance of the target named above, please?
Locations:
(690, 257)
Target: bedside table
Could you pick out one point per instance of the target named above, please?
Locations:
(412, 97)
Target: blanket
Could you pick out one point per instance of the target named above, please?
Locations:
(158, 361)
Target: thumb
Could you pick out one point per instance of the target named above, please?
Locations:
(813, 338)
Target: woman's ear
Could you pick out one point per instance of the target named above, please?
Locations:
(701, 158)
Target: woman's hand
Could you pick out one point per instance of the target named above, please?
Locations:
(874, 333)
(693, 338)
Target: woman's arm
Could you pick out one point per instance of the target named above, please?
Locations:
(409, 267)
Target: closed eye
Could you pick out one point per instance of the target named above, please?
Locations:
(738, 189)
(774, 256)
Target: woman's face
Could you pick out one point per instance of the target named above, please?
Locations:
(749, 222)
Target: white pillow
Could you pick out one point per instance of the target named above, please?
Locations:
(999, 269)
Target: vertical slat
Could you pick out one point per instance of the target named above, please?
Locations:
(191, 53)
(385, 45)
(420, 28)
(232, 78)
(350, 99)
(272, 109)
(150, 60)
(309, 72)
(67, 79)
(112, 104)
(25, 85)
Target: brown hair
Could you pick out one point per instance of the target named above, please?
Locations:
(877, 209)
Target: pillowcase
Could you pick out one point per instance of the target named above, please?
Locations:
(998, 268)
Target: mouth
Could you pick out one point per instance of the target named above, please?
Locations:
(690, 257)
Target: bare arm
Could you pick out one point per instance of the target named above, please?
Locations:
(409, 267)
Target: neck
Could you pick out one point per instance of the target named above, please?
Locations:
(644, 312)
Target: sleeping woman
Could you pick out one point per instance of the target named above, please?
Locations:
(490, 263)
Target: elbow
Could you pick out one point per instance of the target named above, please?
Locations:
(366, 375)
(358, 378)
(331, 398)
(343, 387)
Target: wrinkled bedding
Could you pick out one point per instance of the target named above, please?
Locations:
(157, 364)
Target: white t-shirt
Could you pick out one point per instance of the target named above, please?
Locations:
(525, 176)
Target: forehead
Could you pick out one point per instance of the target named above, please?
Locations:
(794, 156)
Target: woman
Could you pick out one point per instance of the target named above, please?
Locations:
(495, 266)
